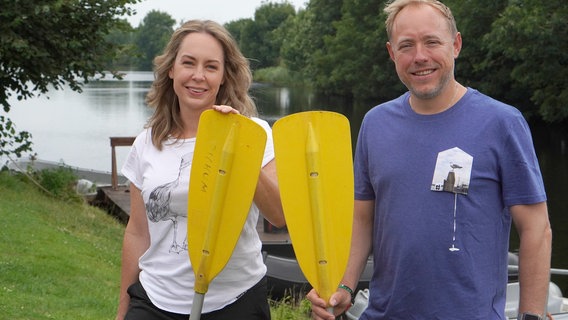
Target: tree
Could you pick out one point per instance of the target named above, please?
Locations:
(474, 68)
(474, 20)
(362, 61)
(48, 44)
(311, 55)
(347, 54)
(297, 48)
(512, 50)
(530, 38)
(259, 40)
(236, 27)
(127, 56)
(152, 35)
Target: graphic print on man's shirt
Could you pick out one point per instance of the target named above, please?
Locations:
(453, 171)
(158, 207)
(453, 174)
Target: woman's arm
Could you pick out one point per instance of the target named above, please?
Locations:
(267, 195)
(136, 242)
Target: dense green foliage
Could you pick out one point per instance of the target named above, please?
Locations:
(13, 142)
(513, 51)
(259, 39)
(52, 43)
(151, 37)
(530, 36)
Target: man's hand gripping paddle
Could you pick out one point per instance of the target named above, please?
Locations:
(315, 175)
(226, 164)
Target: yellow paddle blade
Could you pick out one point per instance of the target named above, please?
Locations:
(224, 173)
(315, 175)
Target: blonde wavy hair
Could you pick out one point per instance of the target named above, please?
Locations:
(394, 7)
(166, 120)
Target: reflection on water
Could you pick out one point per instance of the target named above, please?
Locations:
(75, 128)
(276, 102)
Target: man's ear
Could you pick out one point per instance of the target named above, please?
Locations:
(457, 45)
(389, 49)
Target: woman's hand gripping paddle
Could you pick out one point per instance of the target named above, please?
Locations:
(224, 173)
(315, 175)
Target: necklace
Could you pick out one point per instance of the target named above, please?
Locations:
(450, 104)
(456, 89)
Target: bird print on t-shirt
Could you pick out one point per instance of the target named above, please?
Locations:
(158, 206)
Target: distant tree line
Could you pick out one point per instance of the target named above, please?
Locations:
(513, 50)
(516, 51)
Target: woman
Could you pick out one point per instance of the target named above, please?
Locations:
(201, 69)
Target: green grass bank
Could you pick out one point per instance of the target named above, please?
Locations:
(60, 257)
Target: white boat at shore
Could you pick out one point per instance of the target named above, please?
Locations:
(97, 177)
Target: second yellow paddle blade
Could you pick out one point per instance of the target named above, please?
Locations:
(224, 173)
(315, 176)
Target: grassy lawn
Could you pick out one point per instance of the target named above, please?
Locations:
(58, 259)
(61, 259)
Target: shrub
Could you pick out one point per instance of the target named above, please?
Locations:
(59, 182)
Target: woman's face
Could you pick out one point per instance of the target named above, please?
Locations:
(198, 71)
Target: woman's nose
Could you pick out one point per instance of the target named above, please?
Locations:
(199, 73)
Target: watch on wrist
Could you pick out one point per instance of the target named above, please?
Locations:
(529, 316)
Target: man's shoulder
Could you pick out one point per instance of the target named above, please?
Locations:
(478, 99)
(396, 104)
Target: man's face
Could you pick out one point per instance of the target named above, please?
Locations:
(423, 50)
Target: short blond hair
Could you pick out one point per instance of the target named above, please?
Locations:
(393, 8)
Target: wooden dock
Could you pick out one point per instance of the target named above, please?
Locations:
(116, 200)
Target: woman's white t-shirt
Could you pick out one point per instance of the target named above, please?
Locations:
(166, 272)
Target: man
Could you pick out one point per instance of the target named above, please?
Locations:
(440, 173)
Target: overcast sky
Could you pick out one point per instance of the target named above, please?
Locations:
(222, 11)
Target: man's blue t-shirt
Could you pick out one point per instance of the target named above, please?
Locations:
(442, 184)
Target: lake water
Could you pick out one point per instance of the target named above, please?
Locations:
(75, 128)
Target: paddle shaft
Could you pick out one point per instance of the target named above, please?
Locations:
(197, 306)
